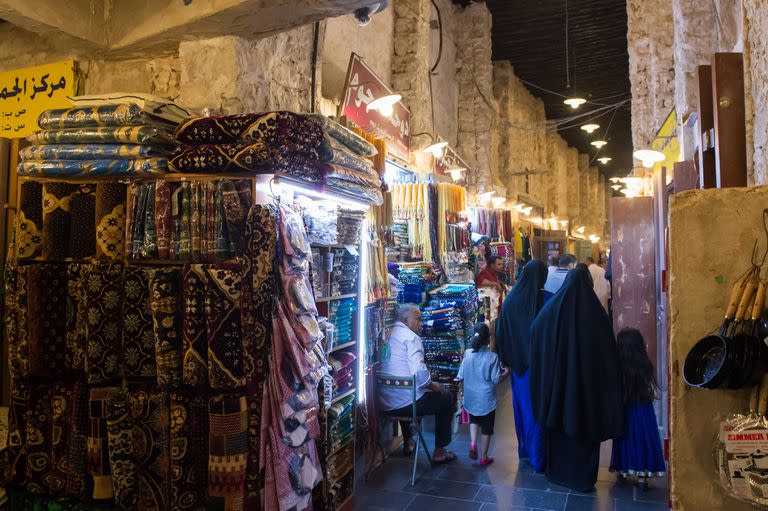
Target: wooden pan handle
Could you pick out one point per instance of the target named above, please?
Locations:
(763, 400)
(757, 309)
(754, 395)
(736, 292)
(746, 300)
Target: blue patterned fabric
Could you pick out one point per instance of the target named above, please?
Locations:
(92, 152)
(92, 167)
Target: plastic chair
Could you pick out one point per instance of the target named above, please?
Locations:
(401, 382)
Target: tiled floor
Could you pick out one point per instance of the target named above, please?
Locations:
(508, 485)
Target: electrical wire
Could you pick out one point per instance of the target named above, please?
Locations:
(567, 50)
(440, 46)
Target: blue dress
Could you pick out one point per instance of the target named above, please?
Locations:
(639, 452)
(529, 440)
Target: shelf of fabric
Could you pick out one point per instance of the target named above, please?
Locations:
(342, 346)
(332, 298)
(343, 446)
(321, 245)
(344, 394)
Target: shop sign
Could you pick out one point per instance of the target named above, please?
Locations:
(26, 93)
(450, 160)
(362, 87)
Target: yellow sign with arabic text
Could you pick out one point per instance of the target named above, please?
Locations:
(26, 93)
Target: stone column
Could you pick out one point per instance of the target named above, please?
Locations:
(755, 71)
(475, 77)
(651, 66)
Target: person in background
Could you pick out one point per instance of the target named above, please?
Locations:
(552, 264)
(489, 277)
(638, 452)
(406, 359)
(601, 285)
(575, 382)
(480, 371)
(513, 342)
(519, 265)
(555, 279)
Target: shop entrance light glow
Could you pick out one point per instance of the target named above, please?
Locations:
(590, 128)
(604, 160)
(456, 173)
(615, 179)
(581, 229)
(616, 187)
(385, 104)
(498, 201)
(575, 102)
(599, 143)
(436, 149)
(563, 223)
(594, 239)
(649, 157)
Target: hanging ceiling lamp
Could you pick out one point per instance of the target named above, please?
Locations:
(616, 187)
(574, 102)
(599, 143)
(590, 128)
(385, 104)
(649, 157)
(604, 160)
(437, 148)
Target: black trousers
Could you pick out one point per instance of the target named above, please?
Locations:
(442, 406)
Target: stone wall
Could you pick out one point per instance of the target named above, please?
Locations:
(756, 70)
(700, 285)
(651, 66)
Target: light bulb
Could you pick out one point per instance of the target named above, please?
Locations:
(498, 201)
(456, 173)
(615, 179)
(649, 157)
(385, 104)
(604, 160)
(575, 102)
(616, 187)
(581, 229)
(599, 143)
(563, 223)
(594, 239)
(590, 128)
(436, 149)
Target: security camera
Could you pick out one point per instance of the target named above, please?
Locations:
(363, 14)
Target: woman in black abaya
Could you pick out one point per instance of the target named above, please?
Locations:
(575, 382)
(513, 342)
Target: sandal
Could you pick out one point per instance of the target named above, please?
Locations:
(486, 461)
(447, 458)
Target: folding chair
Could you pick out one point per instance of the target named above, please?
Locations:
(401, 382)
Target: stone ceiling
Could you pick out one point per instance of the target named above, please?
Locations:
(531, 34)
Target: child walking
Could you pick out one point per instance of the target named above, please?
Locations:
(480, 371)
(639, 453)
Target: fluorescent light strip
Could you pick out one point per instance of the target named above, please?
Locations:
(361, 303)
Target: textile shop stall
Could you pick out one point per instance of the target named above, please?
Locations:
(184, 326)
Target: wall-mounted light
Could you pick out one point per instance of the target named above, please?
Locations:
(615, 179)
(649, 157)
(436, 149)
(590, 128)
(599, 143)
(537, 220)
(527, 211)
(604, 160)
(456, 172)
(616, 187)
(581, 229)
(575, 102)
(385, 104)
(498, 202)
(563, 223)
(593, 238)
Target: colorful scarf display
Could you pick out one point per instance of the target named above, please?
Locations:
(29, 222)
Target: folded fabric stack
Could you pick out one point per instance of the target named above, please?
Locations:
(97, 139)
(342, 369)
(349, 224)
(463, 297)
(345, 270)
(320, 222)
(189, 220)
(341, 425)
(401, 249)
(443, 340)
(416, 279)
(317, 274)
(341, 314)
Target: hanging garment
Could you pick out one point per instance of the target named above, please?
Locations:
(188, 452)
(16, 313)
(223, 286)
(138, 330)
(104, 304)
(165, 291)
(575, 381)
(98, 442)
(228, 452)
(47, 320)
(163, 218)
(37, 448)
(77, 318)
(29, 223)
(110, 221)
(57, 219)
(82, 241)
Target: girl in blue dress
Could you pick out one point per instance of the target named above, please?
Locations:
(639, 452)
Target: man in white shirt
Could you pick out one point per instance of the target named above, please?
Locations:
(555, 279)
(601, 285)
(406, 358)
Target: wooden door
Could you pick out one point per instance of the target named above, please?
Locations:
(633, 263)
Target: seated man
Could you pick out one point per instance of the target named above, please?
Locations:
(406, 358)
(489, 277)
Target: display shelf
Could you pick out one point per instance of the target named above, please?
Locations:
(322, 245)
(342, 446)
(334, 298)
(342, 346)
(344, 394)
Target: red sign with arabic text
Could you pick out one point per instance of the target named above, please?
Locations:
(363, 86)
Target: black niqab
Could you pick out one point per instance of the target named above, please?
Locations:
(513, 328)
(575, 378)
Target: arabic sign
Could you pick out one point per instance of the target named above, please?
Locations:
(363, 86)
(26, 93)
(450, 160)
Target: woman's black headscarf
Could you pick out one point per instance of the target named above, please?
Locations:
(513, 328)
(575, 376)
